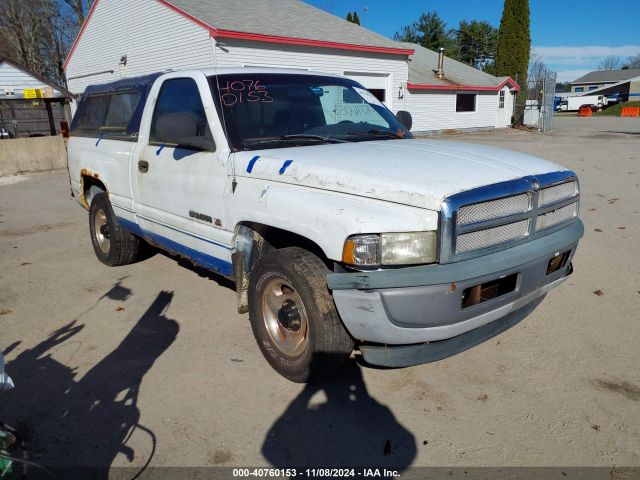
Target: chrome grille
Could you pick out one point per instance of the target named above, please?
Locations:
(498, 216)
(557, 193)
(556, 217)
(468, 242)
(501, 207)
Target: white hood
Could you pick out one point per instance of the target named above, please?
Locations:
(420, 173)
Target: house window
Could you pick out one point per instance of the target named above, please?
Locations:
(579, 89)
(466, 102)
(379, 93)
(501, 99)
(595, 87)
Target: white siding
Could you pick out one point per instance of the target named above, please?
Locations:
(11, 76)
(241, 53)
(152, 36)
(436, 110)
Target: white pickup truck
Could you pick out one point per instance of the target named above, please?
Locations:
(341, 231)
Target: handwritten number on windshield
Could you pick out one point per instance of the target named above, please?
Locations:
(240, 91)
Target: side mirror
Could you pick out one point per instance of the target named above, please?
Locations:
(405, 119)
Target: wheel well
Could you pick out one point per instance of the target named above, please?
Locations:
(253, 241)
(89, 184)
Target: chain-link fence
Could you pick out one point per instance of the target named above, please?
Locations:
(534, 105)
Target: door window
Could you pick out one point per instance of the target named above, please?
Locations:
(179, 119)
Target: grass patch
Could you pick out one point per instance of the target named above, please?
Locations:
(616, 109)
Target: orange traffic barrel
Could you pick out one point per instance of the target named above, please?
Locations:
(585, 112)
(630, 112)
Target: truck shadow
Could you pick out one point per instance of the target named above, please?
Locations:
(346, 429)
(78, 427)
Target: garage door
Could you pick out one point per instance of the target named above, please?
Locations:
(376, 83)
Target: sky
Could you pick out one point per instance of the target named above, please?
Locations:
(571, 37)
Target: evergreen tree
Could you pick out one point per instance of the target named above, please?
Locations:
(476, 43)
(356, 19)
(349, 17)
(429, 30)
(514, 41)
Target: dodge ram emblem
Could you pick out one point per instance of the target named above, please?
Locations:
(535, 185)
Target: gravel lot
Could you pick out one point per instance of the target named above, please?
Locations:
(119, 366)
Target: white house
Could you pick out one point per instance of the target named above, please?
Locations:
(134, 37)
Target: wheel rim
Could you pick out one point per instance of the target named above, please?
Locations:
(101, 230)
(285, 317)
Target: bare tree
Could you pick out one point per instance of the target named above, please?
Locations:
(612, 62)
(538, 70)
(79, 8)
(20, 25)
(37, 35)
(632, 62)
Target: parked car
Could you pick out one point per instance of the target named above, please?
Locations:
(340, 230)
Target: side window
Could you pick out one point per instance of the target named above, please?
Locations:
(107, 114)
(578, 89)
(121, 109)
(179, 118)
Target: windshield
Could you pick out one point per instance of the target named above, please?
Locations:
(267, 110)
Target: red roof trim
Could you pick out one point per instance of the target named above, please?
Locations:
(257, 37)
(84, 26)
(417, 86)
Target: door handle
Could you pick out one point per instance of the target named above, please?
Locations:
(143, 166)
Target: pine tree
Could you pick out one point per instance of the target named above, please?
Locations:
(356, 19)
(349, 17)
(514, 41)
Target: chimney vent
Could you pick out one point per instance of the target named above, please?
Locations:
(440, 70)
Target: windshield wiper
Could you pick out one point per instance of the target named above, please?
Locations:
(377, 133)
(285, 138)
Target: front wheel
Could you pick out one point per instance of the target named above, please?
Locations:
(293, 316)
(112, 244)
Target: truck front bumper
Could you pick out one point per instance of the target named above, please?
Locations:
(416, 314)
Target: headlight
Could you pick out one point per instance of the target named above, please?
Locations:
(390, 249)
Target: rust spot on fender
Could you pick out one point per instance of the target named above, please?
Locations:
(84, 173)
(452, 287)
(83, 201)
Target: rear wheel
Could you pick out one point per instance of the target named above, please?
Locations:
(293, 316)
(112, 244)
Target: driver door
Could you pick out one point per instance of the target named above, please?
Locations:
(180, 176)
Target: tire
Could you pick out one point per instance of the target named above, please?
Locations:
(112, 244)
(304, 338)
